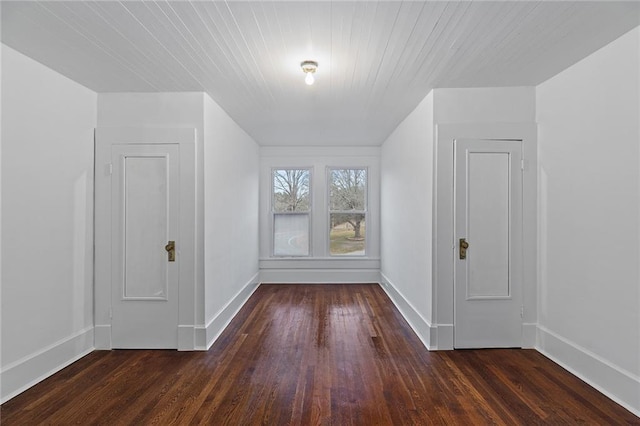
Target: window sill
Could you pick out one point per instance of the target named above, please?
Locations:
(344, 262)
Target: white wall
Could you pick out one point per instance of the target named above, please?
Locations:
(589, 309)
(406, 217)
(484, 105)
(319, 266)
(47, 221)
(1, 50)
(231, 177)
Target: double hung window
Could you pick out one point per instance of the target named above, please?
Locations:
(291, 209)
(347, 211)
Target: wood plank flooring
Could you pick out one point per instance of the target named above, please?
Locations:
(314, 355)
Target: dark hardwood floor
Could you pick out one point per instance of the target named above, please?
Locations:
(314, 355)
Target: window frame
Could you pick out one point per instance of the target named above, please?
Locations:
(329, 211)
(274, 213)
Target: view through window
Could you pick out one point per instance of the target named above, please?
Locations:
(347, 211)
(291, 205)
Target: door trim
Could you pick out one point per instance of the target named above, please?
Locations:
(443, 222)
(104, 139)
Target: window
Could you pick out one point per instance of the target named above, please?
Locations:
(291, 206)
(347, 211)
(319, 210)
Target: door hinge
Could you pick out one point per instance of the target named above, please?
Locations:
(108, 169)
(522, 164)
(521, 311)
(110, 313)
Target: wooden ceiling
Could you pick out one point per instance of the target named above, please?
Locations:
(377, 60)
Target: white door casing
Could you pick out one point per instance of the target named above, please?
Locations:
(145, 197)
(488, 218)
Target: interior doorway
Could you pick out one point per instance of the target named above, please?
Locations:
(145, 206)
(446, 242)
(488, 233)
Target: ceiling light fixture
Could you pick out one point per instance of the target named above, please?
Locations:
(309, 67)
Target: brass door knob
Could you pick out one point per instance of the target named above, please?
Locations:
(171, 250)
(463, 246)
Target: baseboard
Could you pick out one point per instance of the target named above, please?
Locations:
(20, 375)
(319, 276)
(186, 337)
(206, 336)
(423, 329)
(619, 385)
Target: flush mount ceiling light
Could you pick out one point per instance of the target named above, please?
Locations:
(309, 67)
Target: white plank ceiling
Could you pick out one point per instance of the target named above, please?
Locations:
(377, 60)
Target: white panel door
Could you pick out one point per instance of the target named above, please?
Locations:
(488, 222)
(144, 288)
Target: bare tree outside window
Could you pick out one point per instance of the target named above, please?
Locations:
(291, 190)
(291, 212)
(347, 211)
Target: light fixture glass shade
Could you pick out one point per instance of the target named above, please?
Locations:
(309, 67)
(309, 79)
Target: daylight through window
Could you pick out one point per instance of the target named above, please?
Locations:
(347, 212)
(291, 205)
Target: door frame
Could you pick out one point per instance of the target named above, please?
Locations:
(443, 223)
(105, 138)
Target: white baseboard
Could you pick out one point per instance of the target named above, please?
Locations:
(186, 337)
(205, 336)
(619, 385)
(319, 276)
(425, 331)
(20, 375)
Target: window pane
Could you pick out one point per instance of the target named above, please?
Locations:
(347, 189)
(291, 234)
(291, 190)
(347, 234)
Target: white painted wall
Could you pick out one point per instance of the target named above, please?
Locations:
(47, 221)
(320, 267)
(484, 105)
(589, 166)
(406, 217)
(1, 50)
(231, 176)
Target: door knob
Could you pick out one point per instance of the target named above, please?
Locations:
(171, 250)
(463, 246)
